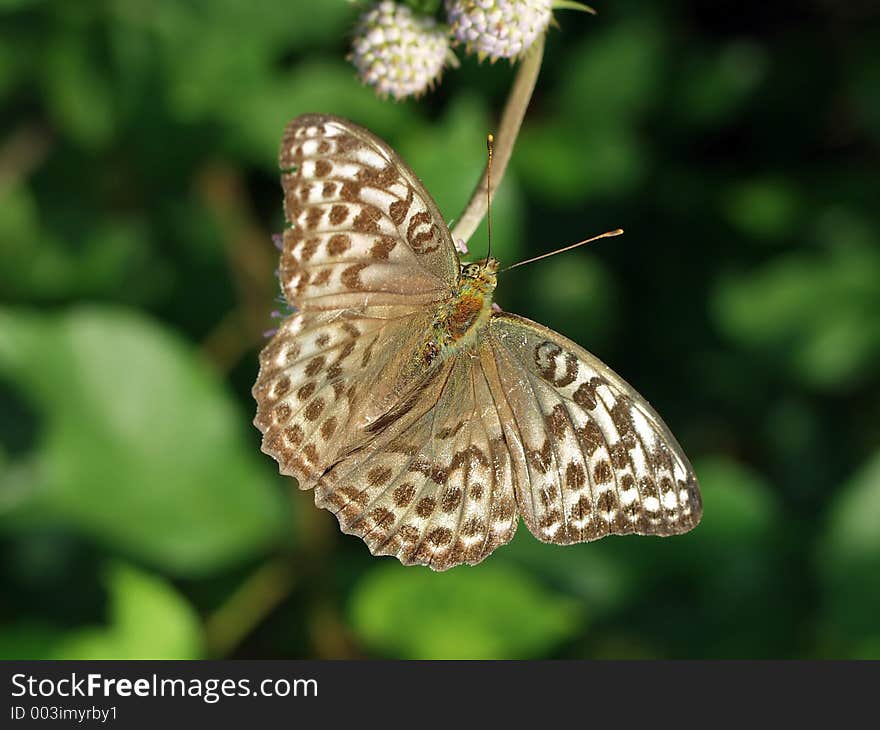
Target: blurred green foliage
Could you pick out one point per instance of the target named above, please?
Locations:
(737, 144)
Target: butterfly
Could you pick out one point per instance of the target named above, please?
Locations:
(427, 421)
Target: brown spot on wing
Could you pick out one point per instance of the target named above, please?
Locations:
(349, 276)
(602, 472)
(281, 413)
(310, 245)
(619, 455)
(575, 476)
(557, 421)
(323, 168)
(382, 247)
(322, 277)
(328, 427)
(419, 240)
(440, 536)
(590, 437)
(585, 395)
(399, 208)
(313, 218)
(621, 415)
(582, 508)
(350, 191)
(311, 453)
(338, 213)
(426, 506)
(378, 476)
(358, 496)
(282, 386)
(540, 458)
(314, 408)
(381, 178)
(382, 518)
(366, 220)
(545, 356)
(315, 365)
(404, 494)
(294, 434)
(338, 244)
(450, 500)
(473, 526)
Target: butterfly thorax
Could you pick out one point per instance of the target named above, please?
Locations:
(461, 318)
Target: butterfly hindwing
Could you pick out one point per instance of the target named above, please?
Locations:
(434, 485)
(598, 460)
(322, 377)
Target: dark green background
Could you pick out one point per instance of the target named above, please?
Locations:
(738, 145)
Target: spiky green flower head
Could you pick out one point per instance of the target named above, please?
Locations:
(498, 28)
(399, 52)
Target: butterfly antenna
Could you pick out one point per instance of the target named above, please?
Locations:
(490, 141)
(607, 234)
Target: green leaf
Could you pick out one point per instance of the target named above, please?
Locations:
(487, 612)
(576, 294)
(849, 563)
(29, 639)
(147, 619)
(764, 208)
(602, 578)
(614, 74)
(79, 95)
(817, 313)
(564, 166)
(141, 447)
(114, 257)
(738, 507)
(257, 121)
(716, 86)
(201, 75)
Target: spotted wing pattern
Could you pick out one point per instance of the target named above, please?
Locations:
(433, 484)
(322, 376)
(362, 230)
(434, 464)
(593, 457)
(365, 261)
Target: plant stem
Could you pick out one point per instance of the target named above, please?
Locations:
(511, 121)
(254, 599)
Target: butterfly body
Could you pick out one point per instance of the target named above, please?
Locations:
(466, 314)
(426, 422)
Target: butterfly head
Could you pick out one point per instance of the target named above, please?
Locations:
(481, 273)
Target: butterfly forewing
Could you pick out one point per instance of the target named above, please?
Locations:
(365, 260)
(597, 459)
(361, 227)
